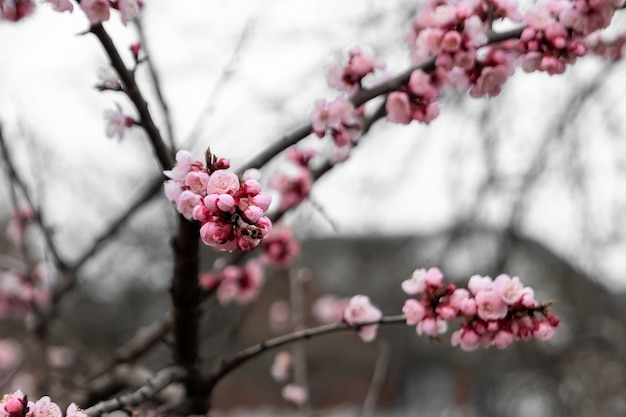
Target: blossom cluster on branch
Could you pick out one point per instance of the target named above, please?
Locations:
(18, 405)
(231, 209)
(455, 35)
(495, 312)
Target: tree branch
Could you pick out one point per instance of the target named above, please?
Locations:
(134, 94)
(152, 387)
(245, 355)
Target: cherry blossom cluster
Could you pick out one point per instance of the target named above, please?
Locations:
(295, 182)
(340, 118)
(231, 209)
(234, 283)
(495, 312)
(417, 101)
(97, 11)
(348, 77)
(18, 405)
(454, 34)
(20, 291)
(280, 247)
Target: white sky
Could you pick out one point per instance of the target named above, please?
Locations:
(397, 180)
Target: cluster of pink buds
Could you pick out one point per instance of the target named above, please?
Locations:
(233, 283)
(348, 77)
(340, 118)
(294, 183)
(418, 101)
(17, 405)
(496, 312)
(231, 209)
(98, 11)
(280, 248)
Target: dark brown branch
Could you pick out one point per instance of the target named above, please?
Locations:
(17, 180)
(186, 297)
(134, 94)
(144, 339)
(245, 355)
(362, 97)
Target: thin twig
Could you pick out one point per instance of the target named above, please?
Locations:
(156, 83)
(152, 387)
(245, 355)
(378, 377)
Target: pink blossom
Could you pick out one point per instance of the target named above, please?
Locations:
(61, 5)
(490, 81)
(489, 305)
(14, 10)
(322, 118)
(197, 181)
(117, 122)
(420, 279)
(510, 289)
(414, 311)
(184, 163)
(109, 79)
(543, 331)
(398, 108)
(129, 9)
(294, 185)
(478, 283)
(451, 41)
(45, 408)
(432, 326)
(295, 394)
(466, 338)
(240, 285)
(13, 406)
(74, 411)
(503, 338)
(281, 367)
(96, 10)
(279, 315)
(186, 202)
(475, 30)
(329, 308)
(280, 247)
(420, 85)
(360, 310)
(222, 182)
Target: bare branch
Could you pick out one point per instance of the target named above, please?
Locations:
(156, 82)
(149, 390)
(245, 355)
